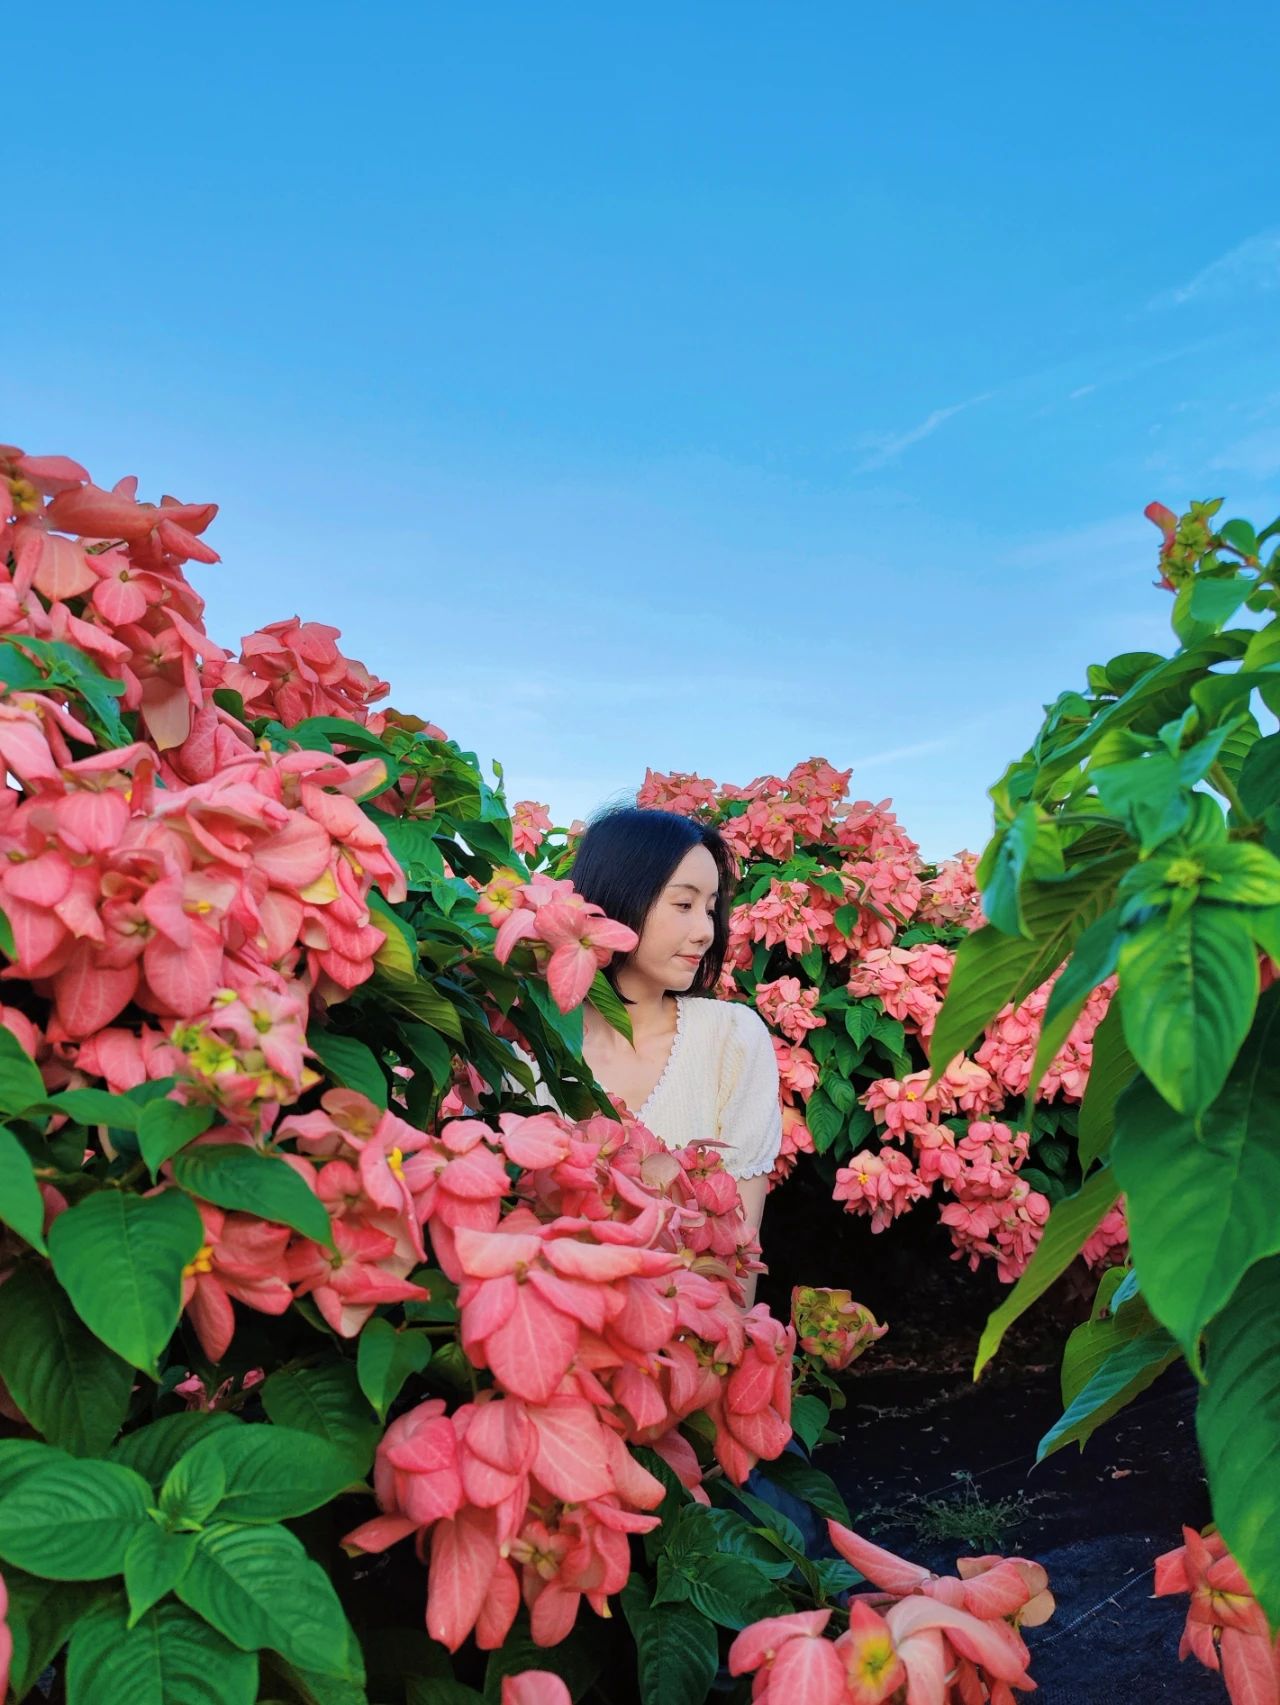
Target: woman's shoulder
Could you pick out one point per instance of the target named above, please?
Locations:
(733, 1021)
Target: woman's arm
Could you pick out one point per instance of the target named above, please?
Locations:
(753, 1192)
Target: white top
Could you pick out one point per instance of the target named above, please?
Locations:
(720, 1084)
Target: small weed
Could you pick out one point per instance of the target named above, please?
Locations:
(983, 1524)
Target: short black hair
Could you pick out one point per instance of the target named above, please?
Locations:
(626, 858)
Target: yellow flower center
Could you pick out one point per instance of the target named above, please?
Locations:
(395, 1160)
(203, 1262)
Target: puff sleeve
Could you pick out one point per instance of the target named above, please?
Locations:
(750, 1117)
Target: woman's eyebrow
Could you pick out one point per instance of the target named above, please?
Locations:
(691, 886)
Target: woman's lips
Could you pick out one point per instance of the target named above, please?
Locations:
(690, 958)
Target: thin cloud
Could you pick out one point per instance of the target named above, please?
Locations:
(887, 447)
(1251, 267)
(919, 750)
(1258, 456)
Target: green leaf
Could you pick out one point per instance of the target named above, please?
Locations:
(1092, 963)
(566, 1025)
(420, 999)
(860, 1021)
(992, 968)
(577, 1660)
(312, 1688)
(351, 1063)
(21, 1085)
(233, 1176)
(1003, 866)
(607, 1003)
(272, 1473)
(21, 1205)
(1190, 982)
(154, 1563)
(1204, 604)
(7, 944)
(824, 1120)
(1107, 1363)
(809, 1416)
(807, 1483)
(845, 918)
(71, 1519)
(120, 1258)
(386, 1358)
(153, 1450)
(1259, 782)
(1112, 1069)
(166, 1126)
(69, 1386)
(676, 1648)
(41, 1616)
(733, 1592)
(1238, 1425)
(94, 1107)
(196, 1484)
(1241, 874)
(1202, 1191)
(1146, 795)
(325, 1401)
(429, 1049)
(258, 1587)
(1067, 1229)
(1241, 537)
(170, 1657)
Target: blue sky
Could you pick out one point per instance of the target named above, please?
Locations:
(704, 386)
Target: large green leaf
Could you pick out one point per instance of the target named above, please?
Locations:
(233, 1176)
(257, 1586)
(69, 1386)
(21, 1205)
(1126, 1357)
(21, 1085)
(1203, 1191)
(272, 1473)
(41, 1616)
(120, 1257)
(170, 1657)
(71, 1519)
(153, 1565)
(992, 968)
(1238, 1425)
(1002, 869)
(807, 1483)
(1066, 1230)
(733, 1592)
(676, 1648)
(1190, 982)
(1092, 963)
(165, 1126)
(350, 1062)
(604, 997)
(326, 1401)
(1259, 780)
(577, 1660)
(153, 1450)
(387, 1357)
(1112, 1069)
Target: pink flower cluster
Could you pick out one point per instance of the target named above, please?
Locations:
(571, 938)
(937, 1639)
(910, 982)
(1226, 1627)
(603, 1305)
(1009, 1048)
(529, 825)
(789, 1007)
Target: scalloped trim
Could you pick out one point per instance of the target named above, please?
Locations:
(665, 1073)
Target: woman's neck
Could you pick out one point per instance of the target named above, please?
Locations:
(651, 1009)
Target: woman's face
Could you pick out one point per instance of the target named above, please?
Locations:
(680, 926)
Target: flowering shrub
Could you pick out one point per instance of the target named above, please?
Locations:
(1137, 851)
(279, 1207)
(921, 1636)
(844, 939)
(1226, 1627)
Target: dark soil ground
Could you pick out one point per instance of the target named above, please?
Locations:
(926, 1454)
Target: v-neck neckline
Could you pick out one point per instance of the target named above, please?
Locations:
(672, 1052)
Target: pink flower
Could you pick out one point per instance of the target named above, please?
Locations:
(883, 1185)
(529, 825)
(788, 1007)
(242, 1258)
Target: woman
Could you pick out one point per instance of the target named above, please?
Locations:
(697, 1069)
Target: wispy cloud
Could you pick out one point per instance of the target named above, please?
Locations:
(886, 447)
(1251, 267)
(918, 750)
(1257, 455)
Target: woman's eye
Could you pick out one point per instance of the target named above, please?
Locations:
(684, 905)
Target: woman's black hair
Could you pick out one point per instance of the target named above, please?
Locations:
(627, 857)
